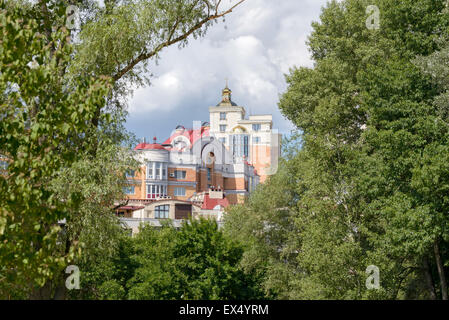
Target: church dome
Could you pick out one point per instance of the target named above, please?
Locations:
(226, 97)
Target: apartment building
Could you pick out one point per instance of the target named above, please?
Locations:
(199, 171)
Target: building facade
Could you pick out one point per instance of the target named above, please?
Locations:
(200, 171)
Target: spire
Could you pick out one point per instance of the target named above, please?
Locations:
(226, 96)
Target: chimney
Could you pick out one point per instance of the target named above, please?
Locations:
(215, 193)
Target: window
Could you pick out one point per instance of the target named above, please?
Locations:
(164, 171)
(157, 170)
(180, 174)
(222, 128)
(161, 212)
(256, 127)
(222, 140)
(150, 171)
(156, 191)
(208, 174)
(240, 145)
(130, 173)
(222, 115)
(3, 165)
(256, 139)
(128, 190)
(180, 192)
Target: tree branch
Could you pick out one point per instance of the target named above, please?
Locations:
(145, 56)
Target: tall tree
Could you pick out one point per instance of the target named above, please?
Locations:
(41, 115)
(120, 38)
(367, 117)
(371, 175)
(111, 47)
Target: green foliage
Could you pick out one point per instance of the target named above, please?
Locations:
(121, 31)
(196, 262)
(104, 272)
(62, 134)
(111, 290)
(264, 226)
(370, 180)
(40, 115)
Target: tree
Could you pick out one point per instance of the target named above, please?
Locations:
(40, 115)
(367, 118)
(264, 226)
(369, 180)
(104, 245)
(196, 262)
(431, 177)
(119, 39)
(79, 87)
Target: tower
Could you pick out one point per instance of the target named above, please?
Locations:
(250, 139)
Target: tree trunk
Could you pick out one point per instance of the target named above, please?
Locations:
(440, 268)
(60, 292)
(42, 293)
(429, 280)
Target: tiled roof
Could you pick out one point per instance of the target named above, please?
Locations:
(149, 146)
(210, 204)
(192, 134)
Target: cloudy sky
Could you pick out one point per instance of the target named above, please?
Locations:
(254, 48)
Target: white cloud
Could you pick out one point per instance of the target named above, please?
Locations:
(261, 41)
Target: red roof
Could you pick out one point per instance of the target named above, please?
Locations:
(130, 208)
(149, 146)
(210, 204)
(192, 134)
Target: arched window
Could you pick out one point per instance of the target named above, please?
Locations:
(240, 146)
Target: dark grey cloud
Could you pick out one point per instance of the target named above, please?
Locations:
(254, 48)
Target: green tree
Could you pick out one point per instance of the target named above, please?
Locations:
(196, 262)
(121, 38)
(104, 245)
(264, 225)
(113, 46)
(40, 115)
(369, 181)
(366, 113)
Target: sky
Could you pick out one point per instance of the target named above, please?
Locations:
(254, 48)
